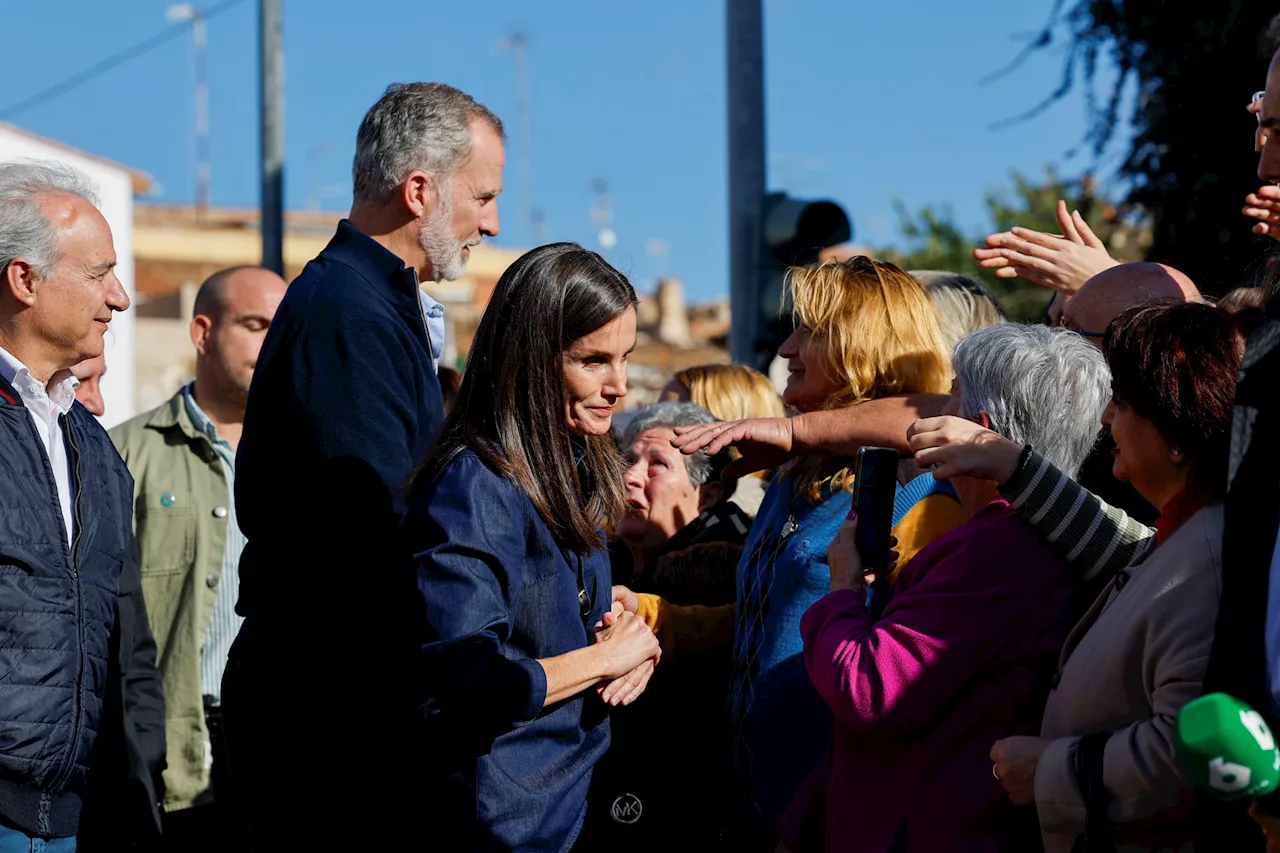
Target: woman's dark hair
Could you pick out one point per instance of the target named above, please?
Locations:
(1176, 364)
(511, 406)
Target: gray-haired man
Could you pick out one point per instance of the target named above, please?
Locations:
(321, 699)
(66, 561)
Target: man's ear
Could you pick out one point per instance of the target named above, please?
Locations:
(709, 494)
(201, 332)
(419, 194)
(20, 279)
(983, 420)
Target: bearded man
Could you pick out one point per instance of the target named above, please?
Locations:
(320, 698)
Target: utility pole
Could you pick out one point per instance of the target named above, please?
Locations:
(271, 79)
(200, 39)
(744, 33)
(602, 218)
(518, 44)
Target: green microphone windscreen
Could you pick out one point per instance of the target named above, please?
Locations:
(1226, 748)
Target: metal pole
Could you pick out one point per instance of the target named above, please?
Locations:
(199, 32)
(272, 103)
(520, 44)
(744, 32)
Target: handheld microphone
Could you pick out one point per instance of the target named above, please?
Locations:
(1226, 748)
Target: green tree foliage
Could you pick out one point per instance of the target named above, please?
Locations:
(1189, 163)
(931, 238)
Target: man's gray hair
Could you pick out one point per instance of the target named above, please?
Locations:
(1040, 386)
(25, 232)
(670, 416)
(414, 126)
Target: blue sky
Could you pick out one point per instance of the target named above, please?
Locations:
(866, 102)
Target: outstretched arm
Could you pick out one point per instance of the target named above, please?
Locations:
(771, 442)
(1094, 538)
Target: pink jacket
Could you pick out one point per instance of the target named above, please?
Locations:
(961, 658)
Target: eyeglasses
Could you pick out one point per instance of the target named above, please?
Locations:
(1257, 96)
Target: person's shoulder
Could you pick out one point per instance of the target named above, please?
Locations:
(140, 427)
(468, 471)
(997, 539)
(1192, 556)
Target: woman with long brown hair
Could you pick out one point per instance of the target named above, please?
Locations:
(505, 520)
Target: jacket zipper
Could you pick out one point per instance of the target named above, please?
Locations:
(417, 295)
(75, 574)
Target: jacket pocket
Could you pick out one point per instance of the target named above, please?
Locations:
(166, 535)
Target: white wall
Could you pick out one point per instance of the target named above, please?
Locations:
(115, 190)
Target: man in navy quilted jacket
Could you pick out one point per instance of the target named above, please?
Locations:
(66, 527)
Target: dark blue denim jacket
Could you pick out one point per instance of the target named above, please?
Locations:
(499, 594)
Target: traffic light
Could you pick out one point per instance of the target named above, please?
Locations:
(794, 232)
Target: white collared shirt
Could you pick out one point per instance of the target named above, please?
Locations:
(45, 408)
(433, 315)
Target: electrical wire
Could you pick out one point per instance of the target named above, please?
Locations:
(110, 63)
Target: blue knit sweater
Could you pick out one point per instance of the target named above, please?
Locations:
(778, 724)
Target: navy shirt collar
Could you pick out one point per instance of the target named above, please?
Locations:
(357, 249)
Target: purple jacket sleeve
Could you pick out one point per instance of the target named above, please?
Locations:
(961, 608)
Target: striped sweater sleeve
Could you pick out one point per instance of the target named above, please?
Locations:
(1094, 538)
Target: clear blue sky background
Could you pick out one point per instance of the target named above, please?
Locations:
(866, 102)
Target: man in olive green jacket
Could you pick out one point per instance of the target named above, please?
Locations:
(182, 457)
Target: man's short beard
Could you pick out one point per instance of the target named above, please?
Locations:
(443, 250)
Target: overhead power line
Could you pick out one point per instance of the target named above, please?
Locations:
(110, 63)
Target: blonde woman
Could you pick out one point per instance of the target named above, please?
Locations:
(730, 392)
(865, 332)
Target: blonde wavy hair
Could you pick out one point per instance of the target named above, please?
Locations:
(879, 336)
(731, 392)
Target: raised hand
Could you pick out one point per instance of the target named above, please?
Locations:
(1059, 262)
(1264, 205)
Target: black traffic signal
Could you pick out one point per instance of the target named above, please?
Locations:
(794, 231)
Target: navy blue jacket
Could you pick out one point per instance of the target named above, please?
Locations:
(499, 594)
(344, 403)
(59, 608)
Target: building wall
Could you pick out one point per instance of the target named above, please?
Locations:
(115, 188)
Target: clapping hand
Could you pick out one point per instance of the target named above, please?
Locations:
(1059, 262)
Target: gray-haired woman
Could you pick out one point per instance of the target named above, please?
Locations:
(960, 657)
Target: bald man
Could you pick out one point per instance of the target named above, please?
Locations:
(182, 456)
(1102, 298)
(1107, 294)
(89, 374)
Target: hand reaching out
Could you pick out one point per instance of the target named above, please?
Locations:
(956, 447)
(763, 442)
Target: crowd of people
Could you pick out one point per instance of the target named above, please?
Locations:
(334, 595)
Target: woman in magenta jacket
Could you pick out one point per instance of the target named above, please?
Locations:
(963, 653)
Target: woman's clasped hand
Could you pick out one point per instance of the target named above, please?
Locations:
(630, 651)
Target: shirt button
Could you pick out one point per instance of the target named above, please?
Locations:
(219, 512)
(211, 581)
